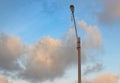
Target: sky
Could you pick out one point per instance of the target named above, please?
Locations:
(38, 44)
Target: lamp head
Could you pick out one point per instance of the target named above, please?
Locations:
(72, 8)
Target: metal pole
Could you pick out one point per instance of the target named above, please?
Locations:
(79, 59)
(75, 25)
(78, 45)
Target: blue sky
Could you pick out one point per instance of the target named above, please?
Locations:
(31, 20)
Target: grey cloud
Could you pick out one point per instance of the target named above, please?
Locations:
(94, 68)
(111, 12)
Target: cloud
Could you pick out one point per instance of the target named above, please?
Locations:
(103, 78)
(92, 42)
(10, 49)
(92, 69)
(91, 46)
(3, 80)
(48, 58)
(94, 39)
(106, 78)
(110, 12)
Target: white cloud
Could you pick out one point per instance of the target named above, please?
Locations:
(94, 39)
(92, 43)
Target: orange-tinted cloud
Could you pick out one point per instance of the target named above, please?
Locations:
(3, 80)
(103, 78)
(10, 50)
(106, 78)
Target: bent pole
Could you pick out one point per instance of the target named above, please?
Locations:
(78, 45)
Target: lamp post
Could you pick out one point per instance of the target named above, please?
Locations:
(78, 45)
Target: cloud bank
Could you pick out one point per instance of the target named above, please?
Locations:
(48, 58)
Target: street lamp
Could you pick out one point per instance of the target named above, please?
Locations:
(78, 45)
